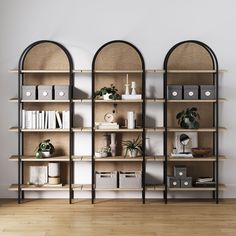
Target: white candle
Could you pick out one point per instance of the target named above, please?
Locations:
(127, 79)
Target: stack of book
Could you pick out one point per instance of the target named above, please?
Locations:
(45, 119)
(181, 155)
(106, 125)
(205, 182)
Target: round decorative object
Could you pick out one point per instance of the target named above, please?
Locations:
(174, 93)
(207, 93)
(45, 93)
(186, 183)
(190, 94)
(61, 93)
(28, 93)
(174, 183)
(180, 173)
(109, 117)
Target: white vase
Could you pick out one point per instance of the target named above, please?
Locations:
(133, 153)
(106, 96)
(131, 119)
(46, 154)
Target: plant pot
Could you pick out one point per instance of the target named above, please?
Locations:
(106, 96)
(132, 153)
(189, 124)
(46, 154)
(100, 154)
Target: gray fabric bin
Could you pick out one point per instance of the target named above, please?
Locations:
(173, 182)
(44, 92)
(29, 92)
(207, 92)
(61, 92)
(191, 92)
(180, 171)
(186, 182)
(174, 92)
(107, 180)
(130, 179)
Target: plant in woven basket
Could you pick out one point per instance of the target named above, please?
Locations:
(188, 118)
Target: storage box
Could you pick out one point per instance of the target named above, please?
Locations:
(44, 92)
(107, 180)
(186, 182)
(207, 92)
(61, 92)
(174, 92)
(130, 179)
(173, 182)
(191, 92)
(180, 171)
(28, 92)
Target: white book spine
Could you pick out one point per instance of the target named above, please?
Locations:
(40, 120)
(28, 122)
(43, 120)
(33, 119)
(63, 119)
(67, 120)
(23, 119)
(53, 120)
(37, 119)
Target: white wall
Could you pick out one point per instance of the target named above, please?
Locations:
(83, 26)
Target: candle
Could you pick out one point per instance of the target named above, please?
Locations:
(127, 79)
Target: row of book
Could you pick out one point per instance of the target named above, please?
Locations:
(45, 119)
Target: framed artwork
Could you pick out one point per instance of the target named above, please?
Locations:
(185, 141)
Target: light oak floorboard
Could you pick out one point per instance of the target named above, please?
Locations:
(117, 217)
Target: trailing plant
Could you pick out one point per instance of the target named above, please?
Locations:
(110, 90)
(188, 118)
(44, 146)
(131, 145)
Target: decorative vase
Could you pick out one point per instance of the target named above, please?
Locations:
(106, 96)
(133, 153)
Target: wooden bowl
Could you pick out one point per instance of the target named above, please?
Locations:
(201, 152)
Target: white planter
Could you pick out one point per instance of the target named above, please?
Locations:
(100, 154)
(132, 153)
(106, 96)
(46, 154)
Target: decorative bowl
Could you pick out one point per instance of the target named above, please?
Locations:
(201, 152)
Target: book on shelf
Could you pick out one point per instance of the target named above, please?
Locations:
(204, 179)
(52, 185)
(131, 97)
(106, 125)
(45, 119)
(181, 155)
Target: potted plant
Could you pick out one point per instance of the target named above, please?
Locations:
(108, 93)
(103, 152)
(132, 147)
(45, 149)
(188, 118)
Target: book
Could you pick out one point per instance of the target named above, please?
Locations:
(131, 97)
(23, 119)
(46, 120)
(37, 119)
(181, 155)
(52, 185)
(204, 179)
(28, 119)
(107, 127)
(33, 120)
(66, 119)
(43, 120)
(52, 120)
(59, 121)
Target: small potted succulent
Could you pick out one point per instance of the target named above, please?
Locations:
(103, 152)
(133, 147)
(108, 93)
(45, 149)
(188, 118)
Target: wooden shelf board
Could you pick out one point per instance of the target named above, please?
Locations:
(195, 130)
(191, 71)
(119, 130)
(118, 71)
(82, 129)
(24, 187)
(118, 158)
(156, 129)
(32, 158)
(221, 158)
(39, 101)
(155, 100)
(159, 71)
(196, 101)
(15, 129)
(222, 187)
(82, 187)
(82, 71)
(81, 158)
(82, 100)
(118, 189)
(119, 101)
(156, 187)
(44, 71)
(155, 158)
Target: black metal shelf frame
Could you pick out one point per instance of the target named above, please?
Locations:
(20, 105)
(143, 115)
(215, 115)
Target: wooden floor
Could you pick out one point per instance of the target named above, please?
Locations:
(120, 217)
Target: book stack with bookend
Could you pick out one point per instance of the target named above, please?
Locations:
(205, 182)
